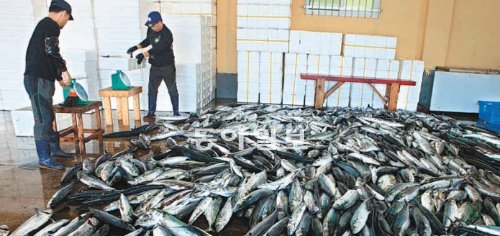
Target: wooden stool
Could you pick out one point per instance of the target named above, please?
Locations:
(122, 104)
(77, 128)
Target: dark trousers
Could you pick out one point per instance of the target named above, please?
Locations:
(40, 92)
(157, 74)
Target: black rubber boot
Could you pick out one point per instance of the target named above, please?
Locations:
(174, 99)
(55, 148)
(44, 159)
(151, 108)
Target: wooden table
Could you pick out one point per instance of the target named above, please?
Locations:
(122, 104)
(77, 128)
(391, 93)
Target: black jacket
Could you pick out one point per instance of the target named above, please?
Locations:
(161, 53)
(43, 59)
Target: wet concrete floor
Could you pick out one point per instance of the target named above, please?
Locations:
(24, 187)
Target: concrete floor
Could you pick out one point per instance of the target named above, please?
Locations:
(24, 187)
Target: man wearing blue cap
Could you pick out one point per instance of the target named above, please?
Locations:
(44, 65)
(161, 58)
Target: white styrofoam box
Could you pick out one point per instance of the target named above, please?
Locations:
(78, 34)
(135, 76)
(121, 9)
(460, 92)
(264, 22)
(192, 37)
(264, 40)
(79, 55)
(320, 43)
(14, 99)
(340, 66)
(248, 97)
(271, 68)
(387, 69)
(249, 67)
(362, 94)
(410, 70)
(365, 67)
(82, 69)
(119, 63)
(370, 46)
(191, 8)
(294, 87)
(264, 10)
(266, 2)
(377, 102)
(293, 99)
(318, 64)
(105, 77)
(23, 121)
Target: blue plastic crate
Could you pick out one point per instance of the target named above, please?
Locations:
(489, 112)
(495, 128)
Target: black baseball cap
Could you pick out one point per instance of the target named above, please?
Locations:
(63, 5)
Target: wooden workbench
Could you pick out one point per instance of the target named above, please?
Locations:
(391, 93)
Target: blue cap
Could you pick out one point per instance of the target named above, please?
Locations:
(153, 18)
(63, 5)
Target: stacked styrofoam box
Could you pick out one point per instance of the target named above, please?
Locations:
(112, 38)
(386, 69)
(409, 95)
(271, 75)
(316, 43)
(191, 37)
(81, 63)
(16, 27)
(263, 25)
(189, 86)
(370, 46)
(23, 121)
(119, 63)
(80, 33)
(264, 40)
(340, 66)
(193, 44)
(294, 88)
(190, 7)
(316, 64)
(248, 76)
(362, 94)
(258, 14)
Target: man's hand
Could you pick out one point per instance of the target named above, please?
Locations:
(66, 79)
(61, 82)
(139, 58)
(132, 50)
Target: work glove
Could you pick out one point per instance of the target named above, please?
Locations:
(139, 58)
(132, 50)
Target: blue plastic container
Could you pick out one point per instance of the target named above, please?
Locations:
(495, 128)
(489, 112)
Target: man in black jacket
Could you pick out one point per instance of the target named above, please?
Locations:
(161, 58)
(44, 65)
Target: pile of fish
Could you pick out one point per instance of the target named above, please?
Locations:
(366, 172)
